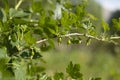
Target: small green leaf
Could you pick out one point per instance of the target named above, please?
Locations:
(74, 71)
(19, 21)
(17, 13)
(116, 24)
(19, 69)
(36, 6)
(51, 43)
(52, 31)
(3, 16)
(105, 26)
(68, 5)
(91, 16)
(26, 53)
(38, 31)
(29, 38)
(3, 53)
(14, 37)
(58, 76)
(98, 78)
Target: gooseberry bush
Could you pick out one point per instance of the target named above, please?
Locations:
(28, 30)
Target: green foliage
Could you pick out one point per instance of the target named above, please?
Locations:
(25, 34)
(58, 76)
(74, 71)
(105, 26)
(116, 24)
(95, 79)
(95, 9)
(13, 13)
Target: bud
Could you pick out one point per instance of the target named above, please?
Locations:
(88, 41)
(69, 41)
(59, 40)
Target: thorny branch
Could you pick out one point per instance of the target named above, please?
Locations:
(110, 40)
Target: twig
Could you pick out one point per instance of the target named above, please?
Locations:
(40, 41)
(110, 40)
(18, 4)
(113, 38)
(79, 34)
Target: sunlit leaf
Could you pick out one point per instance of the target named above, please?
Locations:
(3, 16)
(59, 76)
(29, 38)
(105, 26)
(17, 13)
(74, 71)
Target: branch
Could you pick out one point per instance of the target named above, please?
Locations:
(110, 40)
(85, 35)
(113, 38)
(41, 41)
(18, 4)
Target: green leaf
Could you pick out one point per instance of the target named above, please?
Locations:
(52, 31)
(17, 13)
(91, 16)
(116, 24)
(80, 12)
(36, 6)
(58, 76)
(44, 76)
(74, 71)
(3, 52)
(68, 5)
(3, 16)
(29, 38)
(65, 19)
(20, 21)
(4, 59)
(14, 37)
(36, 54)
(6, 2)
(26, 53)
(38, 31)
(98, 78)
(51, 43)
(7, 74)
(20, 70)
(105, 26)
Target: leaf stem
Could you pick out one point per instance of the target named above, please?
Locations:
(18, 4)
